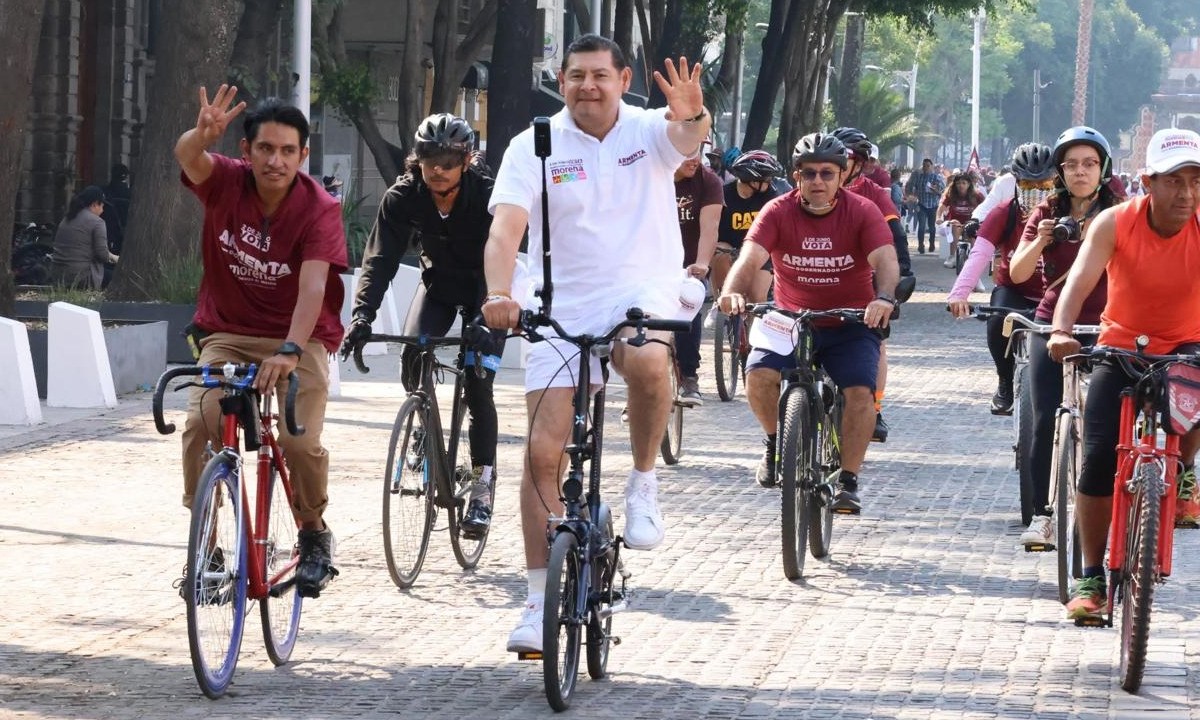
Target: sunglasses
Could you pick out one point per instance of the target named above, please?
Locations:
(444, 160)
(826, 174)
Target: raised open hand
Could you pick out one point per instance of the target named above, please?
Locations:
(215, 117)
(685, 98)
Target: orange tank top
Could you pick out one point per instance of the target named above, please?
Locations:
(1152, 288)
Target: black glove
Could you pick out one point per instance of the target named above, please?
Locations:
(479, 337)
(360, 331)
(970, 229)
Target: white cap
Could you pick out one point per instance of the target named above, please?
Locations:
(874, 151)
(691, 297)
(1171, 149)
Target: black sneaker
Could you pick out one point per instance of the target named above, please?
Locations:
(881, 429)
(477, 520)
(846, 501)
(315, 569)
(1002, 401)
(213, 591)
(765, 475)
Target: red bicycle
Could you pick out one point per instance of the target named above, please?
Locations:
(1160, 407)
(234, 556)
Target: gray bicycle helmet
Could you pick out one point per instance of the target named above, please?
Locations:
(1084, 135)
(855, 141)
(755, 166)
(442, 132)
(819, 147)
(1033, 162)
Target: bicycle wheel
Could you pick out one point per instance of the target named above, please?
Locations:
(408, 510)
(467, 550)
(795, 459)
(672, 442)
(215, 582)
(561, 622)
(1138, 576)
(828, 459)
(280, 610)
(1066, 472)
(961, 251)
(604, 574)
(722, 362)
(1023, 416)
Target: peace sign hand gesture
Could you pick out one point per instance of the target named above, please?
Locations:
(685, 98)
(215, 117)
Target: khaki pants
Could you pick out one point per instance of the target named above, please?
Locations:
(307, 460)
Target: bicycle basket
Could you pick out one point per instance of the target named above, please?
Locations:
(775, 332)
(1182, 402)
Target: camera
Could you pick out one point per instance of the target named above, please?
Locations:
(1066, 229)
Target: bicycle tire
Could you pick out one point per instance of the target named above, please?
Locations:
(1137, 579)
(828, 459)
(604, 574)
(795, 461)
(467, 551)
(1023, 415)
(280, 614)
(960, 257)
(216, 595)
(407, 492)
(560, 623)
(671, 446)
(1066, 473)
(726, 386)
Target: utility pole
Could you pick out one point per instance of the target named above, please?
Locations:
(302, 58)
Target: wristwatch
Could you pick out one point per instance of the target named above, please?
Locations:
(290, 348)
(887, 298)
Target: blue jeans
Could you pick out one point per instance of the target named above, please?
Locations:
(925, 221)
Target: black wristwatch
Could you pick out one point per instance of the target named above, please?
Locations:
(290, 348)
(887, 298)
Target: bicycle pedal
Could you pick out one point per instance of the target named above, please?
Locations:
(1187, 525)
(1039, 547)
(529, 656)
(845, 511)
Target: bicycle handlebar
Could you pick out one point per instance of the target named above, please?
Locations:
(844, 314)
(209, 380)
(420, 341)
(634, 318)
(1017, 318)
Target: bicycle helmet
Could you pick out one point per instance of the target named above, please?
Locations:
(1084, 135)
(755, 166)
(819, 147)
(442, 132)
(730, 155)
(855, 141)
(1033, 162)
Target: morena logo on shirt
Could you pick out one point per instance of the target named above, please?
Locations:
(565, 171)
(248, 267)
(837, 262)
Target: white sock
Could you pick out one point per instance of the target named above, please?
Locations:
(637, 477)
(537, 584)
(485, 474)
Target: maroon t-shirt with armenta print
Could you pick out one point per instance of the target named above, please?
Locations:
(252, 264)
(821, 261)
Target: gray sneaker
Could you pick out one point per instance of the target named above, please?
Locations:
(689, 393)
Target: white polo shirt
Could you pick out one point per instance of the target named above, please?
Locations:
(614, 227)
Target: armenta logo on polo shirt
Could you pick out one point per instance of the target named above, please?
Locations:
(248, 268)
(631, 159)
(565, 171)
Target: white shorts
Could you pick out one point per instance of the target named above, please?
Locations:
(555, 362)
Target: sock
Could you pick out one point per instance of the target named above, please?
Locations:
(1094, 571)
(484, 473)
(849, 480)
(640, 477)
(878, 401)
(537, 583)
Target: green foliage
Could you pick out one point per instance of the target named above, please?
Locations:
(348, 90)
(179, 278)
(1171, 19)
(74, 296)
(356, 230)
(884, 114)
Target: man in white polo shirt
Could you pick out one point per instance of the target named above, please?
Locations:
(615, 242)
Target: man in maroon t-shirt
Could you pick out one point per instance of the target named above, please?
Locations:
(699, 197)
(272, 247)
(826, 244)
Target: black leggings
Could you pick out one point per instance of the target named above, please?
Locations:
(998, 344)
(1046, 389)
(428, 316)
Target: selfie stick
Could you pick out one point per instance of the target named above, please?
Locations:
(541, 148)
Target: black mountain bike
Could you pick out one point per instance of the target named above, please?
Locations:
(428, 464)
(585, 579)
(809, 442)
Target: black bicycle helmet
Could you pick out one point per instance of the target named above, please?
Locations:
(755, 166)
(856, 141)
(1084, 135)
(1033, 162)
(443, 131)
(819, 147)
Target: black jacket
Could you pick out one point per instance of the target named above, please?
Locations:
(451, 248)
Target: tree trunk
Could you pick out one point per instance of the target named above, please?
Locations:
(20, 31)
(850, 72)
(164, 219)
(777, 47)
(509, 86)
(249, 65)
(623, 27)
(806, 69)
(727, 75)
(1083, 56)
(410, 108)
(452, 58)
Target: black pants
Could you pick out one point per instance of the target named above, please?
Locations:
(428, 316)
(687, 348)
(998, 344)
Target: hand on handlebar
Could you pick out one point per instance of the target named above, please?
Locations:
(273, 370)
(359, 333)
(501, 313)
(877, 313)
(1060, 346)
(732, 303)
(959, 308)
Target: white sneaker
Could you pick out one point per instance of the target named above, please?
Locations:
(711, 317)
(644, 528)
(527, 636)
(1040, 532)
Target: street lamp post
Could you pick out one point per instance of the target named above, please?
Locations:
(735, 123)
